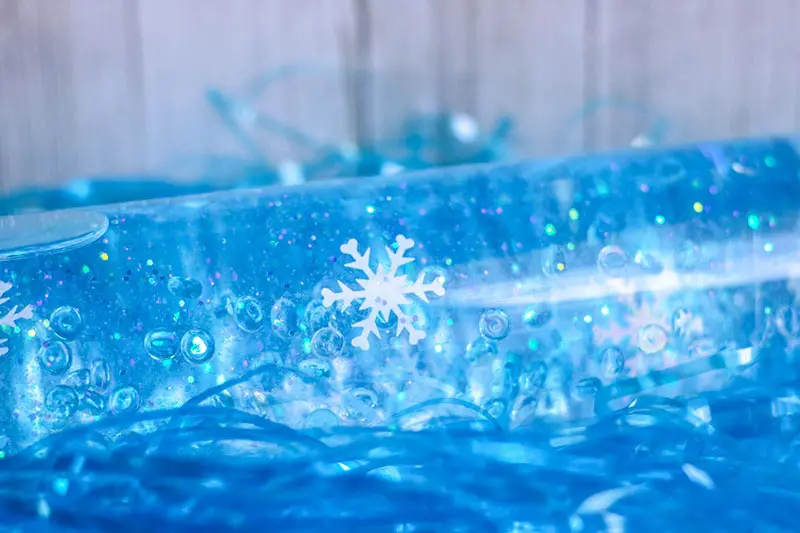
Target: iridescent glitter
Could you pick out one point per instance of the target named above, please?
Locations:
(620, 331)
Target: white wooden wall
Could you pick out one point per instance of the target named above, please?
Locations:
(114, 86)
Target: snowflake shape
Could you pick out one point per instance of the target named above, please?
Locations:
(384, 292)
(11, 317)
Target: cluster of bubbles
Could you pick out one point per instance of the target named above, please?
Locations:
(196, 345)
(315, 328)
(520, 383)
(513, 385)
(87, 389)
(319, 327)
(613, 261)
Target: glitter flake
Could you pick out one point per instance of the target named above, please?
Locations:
(383, 292)
(11, 317)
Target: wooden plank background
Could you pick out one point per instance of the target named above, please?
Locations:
(118, 86)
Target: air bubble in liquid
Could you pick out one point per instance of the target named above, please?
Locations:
(79, 380)
(249, 314)
(480, 348)
(55, 357)
(648, 262)
(66, 322)
(315, 368)
(533, 378)
(93, 403)
(687, 256)
(612, 261)
(161, 344)
(554, 261)
(100, 372)
(317, 316)
(526, 408)
(283, 318)
(703, 347)
(368, 396)
(322, 419)
(670, 169)
(124, 400)
(327, 342)
(62, 401)
(494, 324)
(345, 317)
(612, 362)
(537, 315)
(197, 346)
(652, 338)
(225, 306)
(787, 322)
(361, 406)
(186, 288)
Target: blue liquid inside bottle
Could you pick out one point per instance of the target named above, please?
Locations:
(547, 293)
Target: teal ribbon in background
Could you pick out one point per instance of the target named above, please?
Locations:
(422, 142)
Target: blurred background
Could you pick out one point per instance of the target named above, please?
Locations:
(122, 87)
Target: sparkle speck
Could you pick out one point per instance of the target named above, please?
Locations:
(698, 207)
(604, 310)
(768, 247)
(550, 230)
(753, 222)
(61, 486)
(573, 214)
(31, 333)
(104, 256)
(660, 220)
(587, 319)
(370, 209)
(149, 262)
(85, 269)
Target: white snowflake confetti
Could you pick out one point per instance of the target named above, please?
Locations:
(11, 317)
(383, 292)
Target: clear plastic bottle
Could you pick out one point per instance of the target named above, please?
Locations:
(548, 290)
